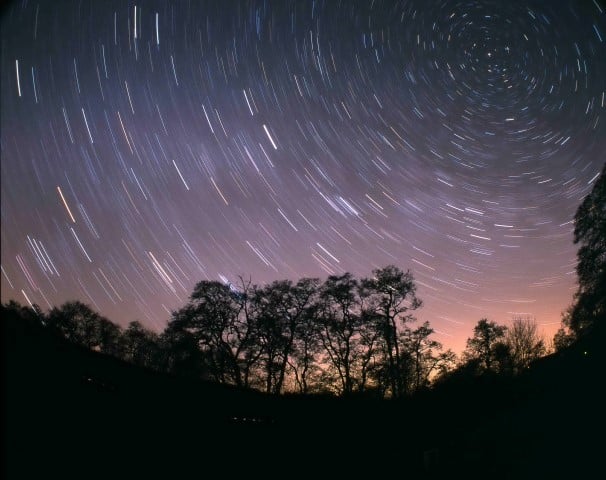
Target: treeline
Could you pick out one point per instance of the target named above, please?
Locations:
(341, 336)
(589, 306)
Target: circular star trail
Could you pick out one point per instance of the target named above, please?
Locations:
(147, 146)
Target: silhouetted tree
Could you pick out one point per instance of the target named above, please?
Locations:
(524, 343)
(250, 351)
(179, 353)
(341, 323)
(80, 324)
(392, 295)
(424, 356)
(32, 315)
(503, 362)
(216, 318)
(140, 345)
(303, 361)
(562, 339)
(281, 310)
(373, 370)
(485, 346)
(443, 363)
(590, 234)
(565, 336)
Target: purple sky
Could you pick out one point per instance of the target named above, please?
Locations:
(147, 146)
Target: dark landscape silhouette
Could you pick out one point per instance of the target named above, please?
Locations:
(305, 376)
(252, 239)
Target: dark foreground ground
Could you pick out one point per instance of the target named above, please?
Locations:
(71, 413)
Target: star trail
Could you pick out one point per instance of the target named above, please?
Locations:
(149, 145)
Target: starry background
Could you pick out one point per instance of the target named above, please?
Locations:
(147, 146)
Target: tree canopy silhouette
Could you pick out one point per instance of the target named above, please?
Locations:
(79, 323)
(524, 343)
(485, 348)
(589, 304)
(216, 318)
(344, 335)
(590, 235)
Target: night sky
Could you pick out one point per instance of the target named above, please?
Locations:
(147, 146)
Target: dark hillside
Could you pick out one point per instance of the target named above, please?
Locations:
(68, 410)
(547, 423)
(72, 412)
